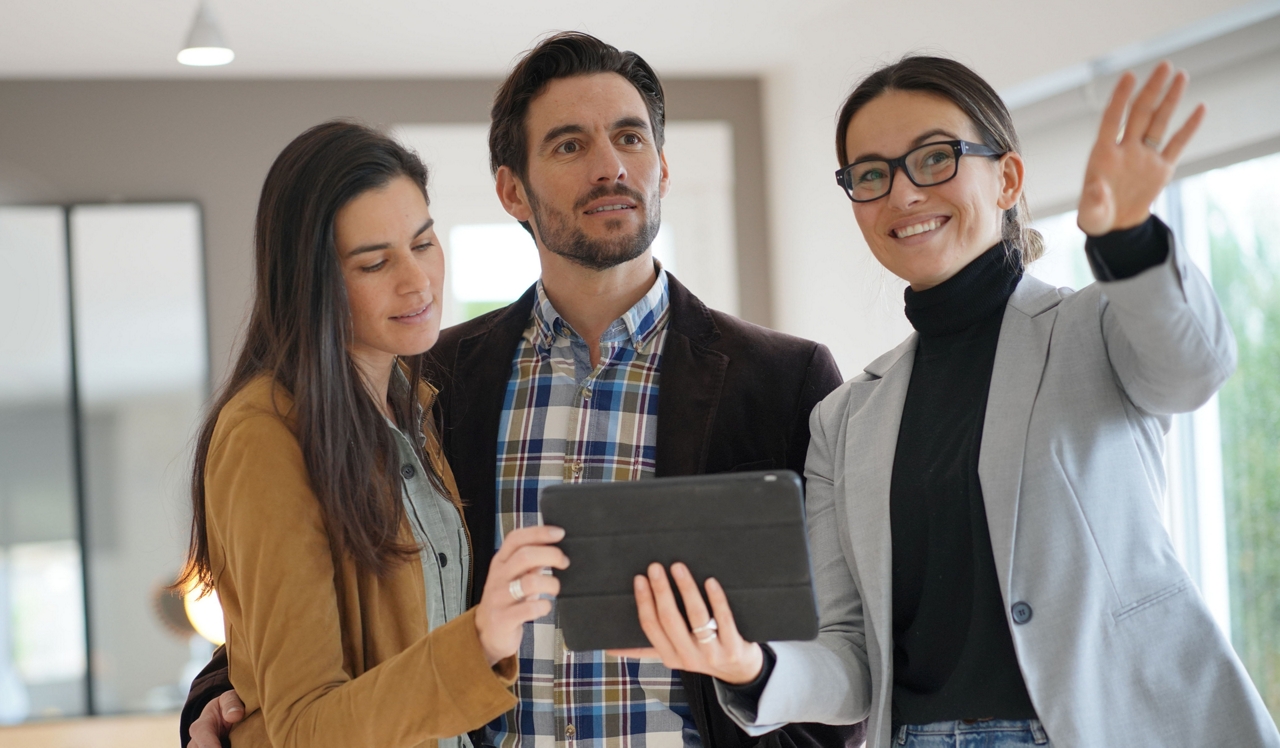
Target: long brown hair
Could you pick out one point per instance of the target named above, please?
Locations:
(299, 334)
(977, 99)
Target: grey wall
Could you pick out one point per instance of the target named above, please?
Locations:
(213, 141)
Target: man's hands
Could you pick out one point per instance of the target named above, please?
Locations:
(500, 616)
(716, 649)
(216, 721)
(1125, 174)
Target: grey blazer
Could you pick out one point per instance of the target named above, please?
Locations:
(1119, 649)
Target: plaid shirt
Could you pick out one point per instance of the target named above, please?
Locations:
(563, 420)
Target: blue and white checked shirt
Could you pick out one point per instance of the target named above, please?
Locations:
(563, 420)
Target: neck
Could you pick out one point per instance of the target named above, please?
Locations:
(978, 290)
(590, 300)
(375, 375)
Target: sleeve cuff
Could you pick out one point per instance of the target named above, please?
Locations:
(747, 695)
(1126, 253)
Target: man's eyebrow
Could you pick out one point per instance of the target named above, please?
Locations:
(556, 132)
(919, 140)
(387, 245)
(637, 123)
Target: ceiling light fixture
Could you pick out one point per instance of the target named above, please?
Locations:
(205, 47)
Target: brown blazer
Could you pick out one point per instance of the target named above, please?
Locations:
(320, 653)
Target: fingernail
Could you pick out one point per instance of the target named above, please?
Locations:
(557, 533)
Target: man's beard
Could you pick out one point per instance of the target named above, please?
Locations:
(560, 236)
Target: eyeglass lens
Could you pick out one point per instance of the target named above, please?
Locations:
(929, 164)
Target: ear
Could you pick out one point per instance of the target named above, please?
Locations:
(664, 184)
(512, 194)
(1011, 173)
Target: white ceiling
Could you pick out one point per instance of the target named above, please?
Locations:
(372, 38)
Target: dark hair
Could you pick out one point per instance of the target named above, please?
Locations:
(299, 333)
(564, 55)
(976, 98)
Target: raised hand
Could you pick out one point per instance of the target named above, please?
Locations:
(511, 592)
(714, 647)
(1126, 173)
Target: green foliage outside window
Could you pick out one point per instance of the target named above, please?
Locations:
(1246, 276)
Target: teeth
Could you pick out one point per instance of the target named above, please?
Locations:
(918, 228)
(603, 208)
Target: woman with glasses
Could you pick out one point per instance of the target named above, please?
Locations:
(983, 500)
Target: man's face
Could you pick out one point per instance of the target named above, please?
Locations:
(595, 176)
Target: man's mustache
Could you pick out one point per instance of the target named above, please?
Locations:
(619, 190)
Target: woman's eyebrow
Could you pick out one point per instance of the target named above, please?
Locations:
(387, 245)
(919, 140)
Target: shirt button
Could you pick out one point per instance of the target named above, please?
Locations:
(1021, 613)
(444, 560)
(586, 393)
(577, 468)
(407, 471)
(570, 731)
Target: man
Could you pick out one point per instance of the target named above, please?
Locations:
(606, 369)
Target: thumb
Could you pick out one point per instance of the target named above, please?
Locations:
(232, 707)
(1097, 211)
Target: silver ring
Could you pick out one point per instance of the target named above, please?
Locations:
(710, 625)
(1151, 143)
(710, 637)
(516, 590)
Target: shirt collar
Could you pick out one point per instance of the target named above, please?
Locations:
(640, 324)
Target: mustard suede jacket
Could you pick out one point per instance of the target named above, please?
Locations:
(321, 653)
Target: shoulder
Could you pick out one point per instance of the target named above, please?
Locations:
(259, 415)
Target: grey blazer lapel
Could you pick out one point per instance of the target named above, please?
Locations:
(870, 443)
(1021, 354)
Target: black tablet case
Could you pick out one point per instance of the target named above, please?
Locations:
(745, 529)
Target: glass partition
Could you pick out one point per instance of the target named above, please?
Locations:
(103, 375)
(42, 647)
(141, 371)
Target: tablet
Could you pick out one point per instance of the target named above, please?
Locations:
(745, 529)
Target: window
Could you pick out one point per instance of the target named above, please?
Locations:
(1223, 502)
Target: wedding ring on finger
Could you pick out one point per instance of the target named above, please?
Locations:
(1151, 143)
(707, 632)
(516, 590)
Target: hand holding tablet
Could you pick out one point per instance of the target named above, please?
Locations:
(741, 535)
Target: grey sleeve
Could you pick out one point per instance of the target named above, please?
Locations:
(1166, 335)
(827, 680)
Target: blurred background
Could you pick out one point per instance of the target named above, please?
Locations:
(129, 180)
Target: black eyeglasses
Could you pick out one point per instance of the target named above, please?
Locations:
(926, 166)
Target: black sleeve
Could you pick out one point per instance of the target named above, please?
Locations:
(211, 683)
(1125, 253)
(749, 693)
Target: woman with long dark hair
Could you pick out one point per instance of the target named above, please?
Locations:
(324, 513)
(988, 551)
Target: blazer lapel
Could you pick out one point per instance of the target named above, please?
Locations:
(1021, 354)
(870, 443)
(690, 384)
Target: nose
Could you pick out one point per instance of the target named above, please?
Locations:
(607, 167)
(413, 278)
(903, 193)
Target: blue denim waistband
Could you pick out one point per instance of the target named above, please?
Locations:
(969, 727)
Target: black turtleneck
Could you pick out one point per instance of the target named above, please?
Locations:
(953, 653)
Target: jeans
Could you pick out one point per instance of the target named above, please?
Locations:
(990, 733)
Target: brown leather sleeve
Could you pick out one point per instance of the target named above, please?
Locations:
(211, 683)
